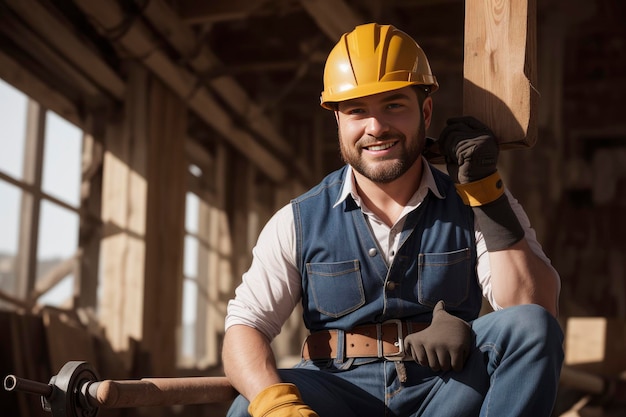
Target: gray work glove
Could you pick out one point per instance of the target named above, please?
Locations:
(443, 345)
(470, 149)
(471, 153)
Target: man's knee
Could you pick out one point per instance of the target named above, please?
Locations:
(527, 324)
(532, 319)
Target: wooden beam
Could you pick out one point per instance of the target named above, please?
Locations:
(24, 80)
(124, 211)
(54, 276)
(167, 177)
(203, 61)
(334, 17)
(48, 58)
(26, 260)
(500, 68)
(139, 43)
(90, 208)
(196, 12)
(68, 44)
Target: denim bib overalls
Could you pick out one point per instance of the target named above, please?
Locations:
(346, 280)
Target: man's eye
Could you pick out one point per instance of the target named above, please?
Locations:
(355, 111)
(394, 106)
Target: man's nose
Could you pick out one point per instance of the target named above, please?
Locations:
(376, 126)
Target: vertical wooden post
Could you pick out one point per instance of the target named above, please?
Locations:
(500, 68)
(124, 201)
(26, 261)
(165, 226)
(86, 280)
(143, 204)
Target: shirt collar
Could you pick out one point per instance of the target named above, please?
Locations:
(427, 183)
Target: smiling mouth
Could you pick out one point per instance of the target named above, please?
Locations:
(381, 147)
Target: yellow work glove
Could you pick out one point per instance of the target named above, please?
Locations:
(280, 400)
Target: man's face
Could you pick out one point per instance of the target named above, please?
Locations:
(381, 136)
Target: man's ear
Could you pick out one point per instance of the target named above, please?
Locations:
(427, 111)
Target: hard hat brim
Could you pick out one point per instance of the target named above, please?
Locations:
(370, 90)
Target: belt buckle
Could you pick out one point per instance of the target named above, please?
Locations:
(398, 356)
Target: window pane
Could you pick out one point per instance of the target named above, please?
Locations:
(62, 159)
(190, 297)
(58, 240)
(192, 207)
(59, 294)
(190, 267)
(13, 105)
(9, 221)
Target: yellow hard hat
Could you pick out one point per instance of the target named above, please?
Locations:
(374, 59)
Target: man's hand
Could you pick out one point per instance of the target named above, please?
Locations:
(471, 153)
(470, 149)
(280, 400)
(445, 344)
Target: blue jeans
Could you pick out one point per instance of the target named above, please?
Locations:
(513, 370)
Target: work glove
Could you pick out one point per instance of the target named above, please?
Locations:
(471, 153)
(443, 345)
(280, 400)
(470, 149)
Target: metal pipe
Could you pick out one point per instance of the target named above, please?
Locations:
(14, 383)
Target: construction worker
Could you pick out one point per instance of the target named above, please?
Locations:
(390, 259)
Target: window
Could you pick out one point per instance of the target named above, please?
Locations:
(40, 174)
(207, 257)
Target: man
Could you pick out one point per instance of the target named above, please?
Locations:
(390, 259)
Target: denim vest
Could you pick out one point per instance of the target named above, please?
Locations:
(346, 280)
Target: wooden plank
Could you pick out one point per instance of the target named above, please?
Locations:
(68, 44)
(500, 68)
(334, 17)
(67, 339)
(139, 42)
(54, 276)
(165, 225)
(124, 200)
(584, 408)
(596, 345)
(26, 265)
(91, 206)
(195, 12)
(24, 80)
(56, 66)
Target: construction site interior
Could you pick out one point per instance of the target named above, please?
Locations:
(145, 143)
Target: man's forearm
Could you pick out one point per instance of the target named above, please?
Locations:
(248, 361)
(519, 276)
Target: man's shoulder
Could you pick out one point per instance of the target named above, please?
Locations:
(333, 181)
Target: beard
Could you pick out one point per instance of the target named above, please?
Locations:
(386, 170)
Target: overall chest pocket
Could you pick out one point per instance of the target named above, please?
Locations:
(336, 288)
(444, 276)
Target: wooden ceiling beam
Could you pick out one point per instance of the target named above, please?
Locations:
(196, 12)
(24, 80)
(334, 17)
(204, 61)
(69, 45)
(56, 66)
(139, 42)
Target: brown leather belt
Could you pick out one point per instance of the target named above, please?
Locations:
(381, 340)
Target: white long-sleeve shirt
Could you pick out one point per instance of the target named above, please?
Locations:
(271, 288)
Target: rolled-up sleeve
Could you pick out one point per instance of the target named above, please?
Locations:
(272, 287)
